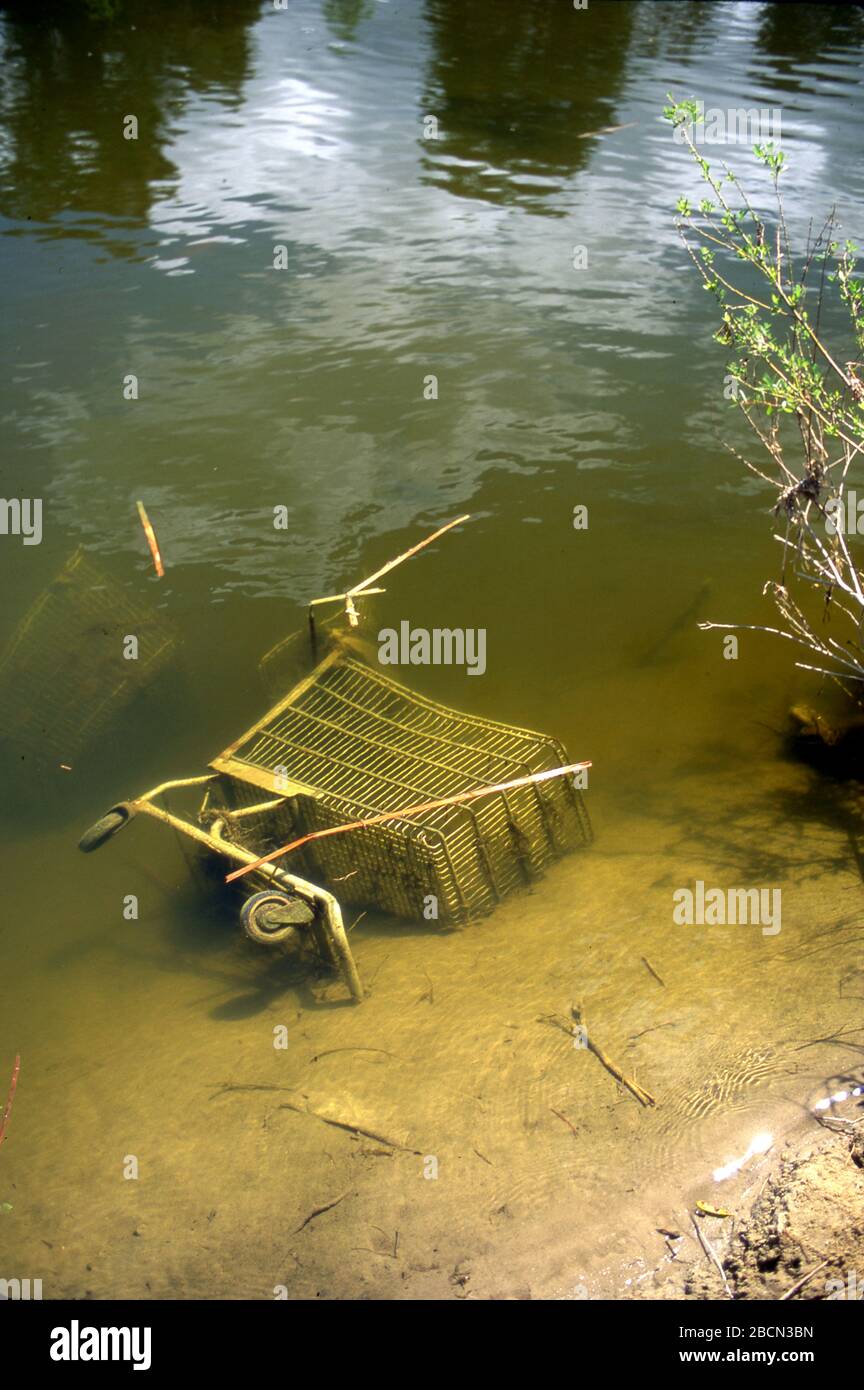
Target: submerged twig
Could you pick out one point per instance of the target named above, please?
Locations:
(555, 1022)
(831, 1037)
(710, 1254)
(655, 1029)
(349, 1127)
(572, 1128)
(319, 1211)
(644, 1097)
(332, 1050)
(650, 968)
(225, 1087)
(13, 1086)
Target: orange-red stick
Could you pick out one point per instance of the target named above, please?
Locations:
(8, 1111)
(407, 811)
(151, 539)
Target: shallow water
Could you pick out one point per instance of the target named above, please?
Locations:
(303, 388)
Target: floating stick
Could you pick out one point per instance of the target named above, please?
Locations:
(151, 539)
(391, 564)
(604, 130)
(337, 598)
(8, 1111)
(363, 586)
(407, 811)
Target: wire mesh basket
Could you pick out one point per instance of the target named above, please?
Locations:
(63, 674)
(348, 743)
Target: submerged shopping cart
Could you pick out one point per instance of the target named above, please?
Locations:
(348, 744)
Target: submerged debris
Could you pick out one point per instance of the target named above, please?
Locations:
(644, 1097)
(151, 539)
(13, 1086)
(80, 653)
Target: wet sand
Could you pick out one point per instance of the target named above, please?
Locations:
(472, 1186)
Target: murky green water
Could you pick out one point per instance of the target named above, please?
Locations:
(405, 257)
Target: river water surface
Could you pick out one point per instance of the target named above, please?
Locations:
(302, 135)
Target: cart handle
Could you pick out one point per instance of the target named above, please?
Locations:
(122, 813)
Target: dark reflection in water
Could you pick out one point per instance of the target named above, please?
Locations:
(70, 84)
(674, 30)
(794, 33)
(344, 16)
(504, 81)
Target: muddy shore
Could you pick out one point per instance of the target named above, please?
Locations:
(799, 1236)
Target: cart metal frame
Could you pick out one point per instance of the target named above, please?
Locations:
(327, 924)
(362, 745)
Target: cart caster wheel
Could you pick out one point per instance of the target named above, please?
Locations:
(104, 829)
(274, 919)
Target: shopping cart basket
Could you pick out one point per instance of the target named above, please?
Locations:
(64, 674)
(348, 744)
